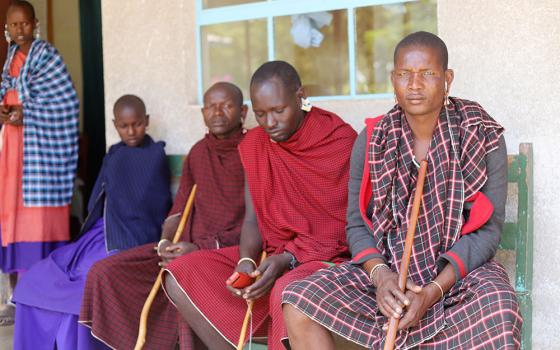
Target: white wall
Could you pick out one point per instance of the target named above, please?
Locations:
(505, 54)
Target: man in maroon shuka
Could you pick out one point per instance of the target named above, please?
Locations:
(117, 287)
(296, 167)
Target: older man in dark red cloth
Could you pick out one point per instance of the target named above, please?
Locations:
(296, 165)
(117, 287)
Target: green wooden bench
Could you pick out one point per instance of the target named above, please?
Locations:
(517, 238)
(516, 246)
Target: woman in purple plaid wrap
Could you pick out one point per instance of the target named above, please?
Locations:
(456, 297)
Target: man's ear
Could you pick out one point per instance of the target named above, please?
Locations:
(244, 110)
(300, 92)
(147, 119)
(449, 75)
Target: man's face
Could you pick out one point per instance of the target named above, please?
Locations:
(223, 114)
(277, 110)
(419, 81)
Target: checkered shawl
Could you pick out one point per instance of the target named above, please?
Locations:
(50, 108)
(464, 134)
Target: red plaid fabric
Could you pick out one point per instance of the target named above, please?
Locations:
(479, 312)
(343, 299)
(117, 287)
(299, 191)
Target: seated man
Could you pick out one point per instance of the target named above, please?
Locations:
(127, 207)
(456, 297)
(117, 287)
(296, 164)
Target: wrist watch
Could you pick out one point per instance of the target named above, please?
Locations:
(293, 262)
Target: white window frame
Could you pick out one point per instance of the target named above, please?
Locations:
(274, 8)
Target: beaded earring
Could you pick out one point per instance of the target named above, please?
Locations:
(7, 34)
(305, 104)
(38, 31)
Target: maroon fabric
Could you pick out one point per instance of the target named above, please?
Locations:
(219, 205)
(117, 287)
(299, 187)
(299, 191)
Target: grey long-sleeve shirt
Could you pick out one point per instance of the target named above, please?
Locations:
(469, 252)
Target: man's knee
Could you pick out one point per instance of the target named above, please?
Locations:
(171, 287)
(294, 318)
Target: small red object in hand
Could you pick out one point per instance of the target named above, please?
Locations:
(240, 280)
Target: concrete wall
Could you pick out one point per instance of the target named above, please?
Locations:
(505, 54)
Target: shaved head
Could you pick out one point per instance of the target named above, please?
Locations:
(424, 39)
(281, 70)
(228, 87)
(131, 101)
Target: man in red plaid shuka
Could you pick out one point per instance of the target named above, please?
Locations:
(117, 287)
(296, 166)
(457, 297)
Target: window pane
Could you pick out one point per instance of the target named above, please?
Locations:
(232, 52)
(207, 4)
(378, 30)
(317, 45)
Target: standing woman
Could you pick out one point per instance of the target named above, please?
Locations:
(38, 145)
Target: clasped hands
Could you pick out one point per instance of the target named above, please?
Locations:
(409, 306)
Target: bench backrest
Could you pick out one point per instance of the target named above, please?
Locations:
(518, 232)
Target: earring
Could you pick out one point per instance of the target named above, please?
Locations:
(396, 101)
(7, 34)
(38, 31)
(446, 94)
(305, 105)
(207, 130)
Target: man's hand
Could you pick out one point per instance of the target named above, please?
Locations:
(269, 271)
(419, 304)
(169, 251)
(245, 267)
(390, 299)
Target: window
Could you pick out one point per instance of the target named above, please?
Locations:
(341, 48)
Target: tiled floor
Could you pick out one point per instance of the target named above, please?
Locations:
(6, 335)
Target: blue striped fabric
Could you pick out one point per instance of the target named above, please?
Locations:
(50, 109)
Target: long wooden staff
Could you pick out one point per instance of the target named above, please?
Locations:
(143, 328)
(248, 314)
(405, 262)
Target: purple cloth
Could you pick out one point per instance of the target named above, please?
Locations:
(57, 282)
(20, 256)
(44, 328)
(49, 296)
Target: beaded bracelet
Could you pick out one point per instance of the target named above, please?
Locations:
(374, 270)
(247, 259)
(439, 286)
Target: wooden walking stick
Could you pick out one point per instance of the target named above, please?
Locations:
(143, 328)
(248, 314)
(405, 262)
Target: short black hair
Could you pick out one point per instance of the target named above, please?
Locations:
(234, 89)
(424, 39)
(277, 69)
(132, 101)
(26, 5)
